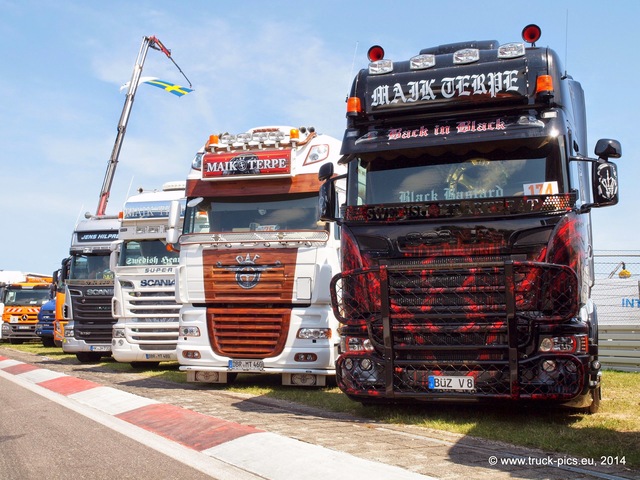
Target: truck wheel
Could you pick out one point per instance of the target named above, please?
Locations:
(57, 343)
(596, 396)
(141, 365)
(16, 341)
(88, 357)
(48, 342)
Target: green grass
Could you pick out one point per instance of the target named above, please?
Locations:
(613, 431)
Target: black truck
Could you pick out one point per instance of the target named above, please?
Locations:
(467, 258)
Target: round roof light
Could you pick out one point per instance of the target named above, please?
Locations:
(531, 33)
(375, 53)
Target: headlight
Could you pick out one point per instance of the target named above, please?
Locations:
(118, 333)
(189, 332)
(314, 333)
(355, 344)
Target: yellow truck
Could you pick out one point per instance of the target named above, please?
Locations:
(21, 296)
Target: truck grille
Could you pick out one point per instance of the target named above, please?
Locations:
(248, 333)
(92, 318)
(145, 303)
(457, 320)
(255, 277)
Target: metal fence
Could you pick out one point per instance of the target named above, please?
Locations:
(617, 296)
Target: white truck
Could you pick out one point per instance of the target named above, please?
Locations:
(255, 261)
(144, 304)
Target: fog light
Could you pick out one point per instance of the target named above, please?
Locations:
(549, 365)
(121, 342)
(193, 354)
(595, 365)
(207, 377)
(348, 364)
(365, 364)
(305, 379)
(305, 357)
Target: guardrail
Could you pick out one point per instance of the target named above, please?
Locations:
(619, 347)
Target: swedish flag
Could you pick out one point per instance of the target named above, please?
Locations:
(168, 86)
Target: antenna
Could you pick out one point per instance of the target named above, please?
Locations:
(353, 66)
(566, 43)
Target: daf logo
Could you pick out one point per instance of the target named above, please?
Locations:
(248, 274)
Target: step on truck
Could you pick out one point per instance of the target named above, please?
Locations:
(88, 287)
(255, 261)
(467, 258)
(144, 304)
(21, 297)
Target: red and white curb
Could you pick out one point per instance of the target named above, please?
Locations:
(239, 451)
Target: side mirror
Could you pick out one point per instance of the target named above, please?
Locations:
(325, 172)
(327, 201)
(604, 174)
(605, 183)
(607, 148)
(115, 248)
(327, 193)
(173, 232)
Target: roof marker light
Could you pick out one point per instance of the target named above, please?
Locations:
(531, 34)
(422, 62)
(466, 55)
(511, 50)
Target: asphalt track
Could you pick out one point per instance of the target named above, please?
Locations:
(234, 437)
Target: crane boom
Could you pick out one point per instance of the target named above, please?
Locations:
(147, 42)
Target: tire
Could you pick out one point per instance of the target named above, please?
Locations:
(144, 365)
(57, 343)
(16, 341)
(88, 357)
(48, 342)
(596, 396)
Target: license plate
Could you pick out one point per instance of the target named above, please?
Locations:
(246, 365)
(101, 348)
(158, 356)
(457, 383)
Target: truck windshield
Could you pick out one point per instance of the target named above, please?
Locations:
(36, 296)
(254, 213)
(147, 252)
(423, 175)
(90, 267)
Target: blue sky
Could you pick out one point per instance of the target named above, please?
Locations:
(252, 63)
